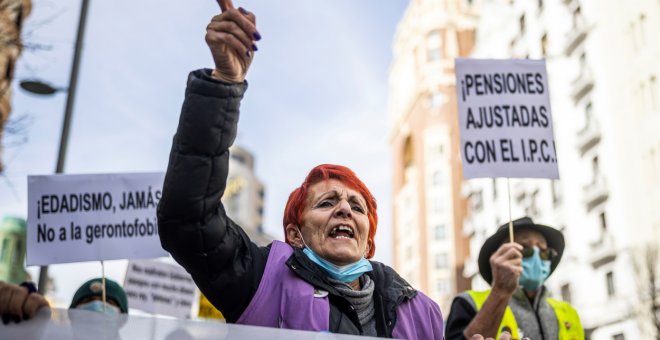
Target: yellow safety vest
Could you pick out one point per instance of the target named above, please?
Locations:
(570, 327)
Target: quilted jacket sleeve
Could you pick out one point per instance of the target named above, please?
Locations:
(192, 222)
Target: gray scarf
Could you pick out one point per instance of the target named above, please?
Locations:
(362, 300)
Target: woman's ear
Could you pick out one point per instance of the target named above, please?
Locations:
(292, 235)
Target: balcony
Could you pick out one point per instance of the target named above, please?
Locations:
(595, 193)
(582, 85)
(574, 38)
(588, 136)
(603, 251)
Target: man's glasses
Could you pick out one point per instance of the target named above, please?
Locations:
(546, 254)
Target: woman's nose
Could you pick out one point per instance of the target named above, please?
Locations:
(343, 209)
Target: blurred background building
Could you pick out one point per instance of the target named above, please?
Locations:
(429, 246)
(12, 250)
(602, 60)
(12, 15)
(244, 196)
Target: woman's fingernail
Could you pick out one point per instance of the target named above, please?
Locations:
(242, 10)
(5, 319)
(256, 36)
(254, 47)
(17, 319)
(247, 53)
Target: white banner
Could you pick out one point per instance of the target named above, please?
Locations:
(504, 118)
(81, 324)
(159, 288)
(73, 218)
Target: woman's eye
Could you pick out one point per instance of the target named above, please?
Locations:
(325, 204)
(358, 208)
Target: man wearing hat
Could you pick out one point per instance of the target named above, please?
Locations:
(90, 297)
(517, 302)
(19, 303)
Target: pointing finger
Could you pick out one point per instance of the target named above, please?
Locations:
(225, 4)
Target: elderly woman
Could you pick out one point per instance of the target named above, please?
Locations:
(321, 278)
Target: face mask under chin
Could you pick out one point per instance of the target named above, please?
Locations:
(346, 274)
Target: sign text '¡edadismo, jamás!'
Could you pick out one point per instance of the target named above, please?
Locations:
(97, 201)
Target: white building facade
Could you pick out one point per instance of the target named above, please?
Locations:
(602, 59)
(429, 248)
(244, 195)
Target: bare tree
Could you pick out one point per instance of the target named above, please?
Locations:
(645, 263)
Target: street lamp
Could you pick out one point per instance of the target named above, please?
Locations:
(39, 87)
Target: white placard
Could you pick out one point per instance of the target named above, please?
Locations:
(505, 120)
(159, 288)
(73, 218)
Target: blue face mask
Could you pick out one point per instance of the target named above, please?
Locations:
(535, 271)
(99, 306)
(347, 273)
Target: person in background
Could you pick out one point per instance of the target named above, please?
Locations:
(518, 302)
(21, 302)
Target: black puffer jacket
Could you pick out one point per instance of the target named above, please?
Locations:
(226, 266)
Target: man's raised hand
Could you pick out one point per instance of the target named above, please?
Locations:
(231, 37)
(506, 266)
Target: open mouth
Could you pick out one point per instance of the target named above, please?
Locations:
(342, 231)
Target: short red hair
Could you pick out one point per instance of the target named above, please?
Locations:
(296, 203)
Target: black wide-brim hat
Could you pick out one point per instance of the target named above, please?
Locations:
(553, 238)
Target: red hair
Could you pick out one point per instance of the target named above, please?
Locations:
(296, 203)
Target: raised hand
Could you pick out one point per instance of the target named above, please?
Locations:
(231, 37)
(506, 265)
(503, 336)
(17, 304)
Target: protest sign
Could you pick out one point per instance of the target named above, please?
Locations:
(159, 288)
(74, 218)
(504, 117)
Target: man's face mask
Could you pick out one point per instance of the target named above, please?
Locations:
(535, 271)
(99, 306)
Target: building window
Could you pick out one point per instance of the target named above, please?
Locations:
(544, 44)
(433, 46)
(619, 337)
(18, 250)
(540, 5)
(476, 200)
(595, 169)
(442, 287)
(494, 188)
(603, 221)
(555, 188)
(577, 18)
(531, 208)
(437, 178)
(653, 92)
(441, 261)
(4, 251)
(438, 206)
(566, 292)
(522, 24)
(440, 232)
(609, 279)
(642, 29)
(436, 99)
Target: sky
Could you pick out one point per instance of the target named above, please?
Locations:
(317, 94)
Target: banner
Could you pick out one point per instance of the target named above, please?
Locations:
(74, 218)
(504, 118)
(81, 324)
(159, 288)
